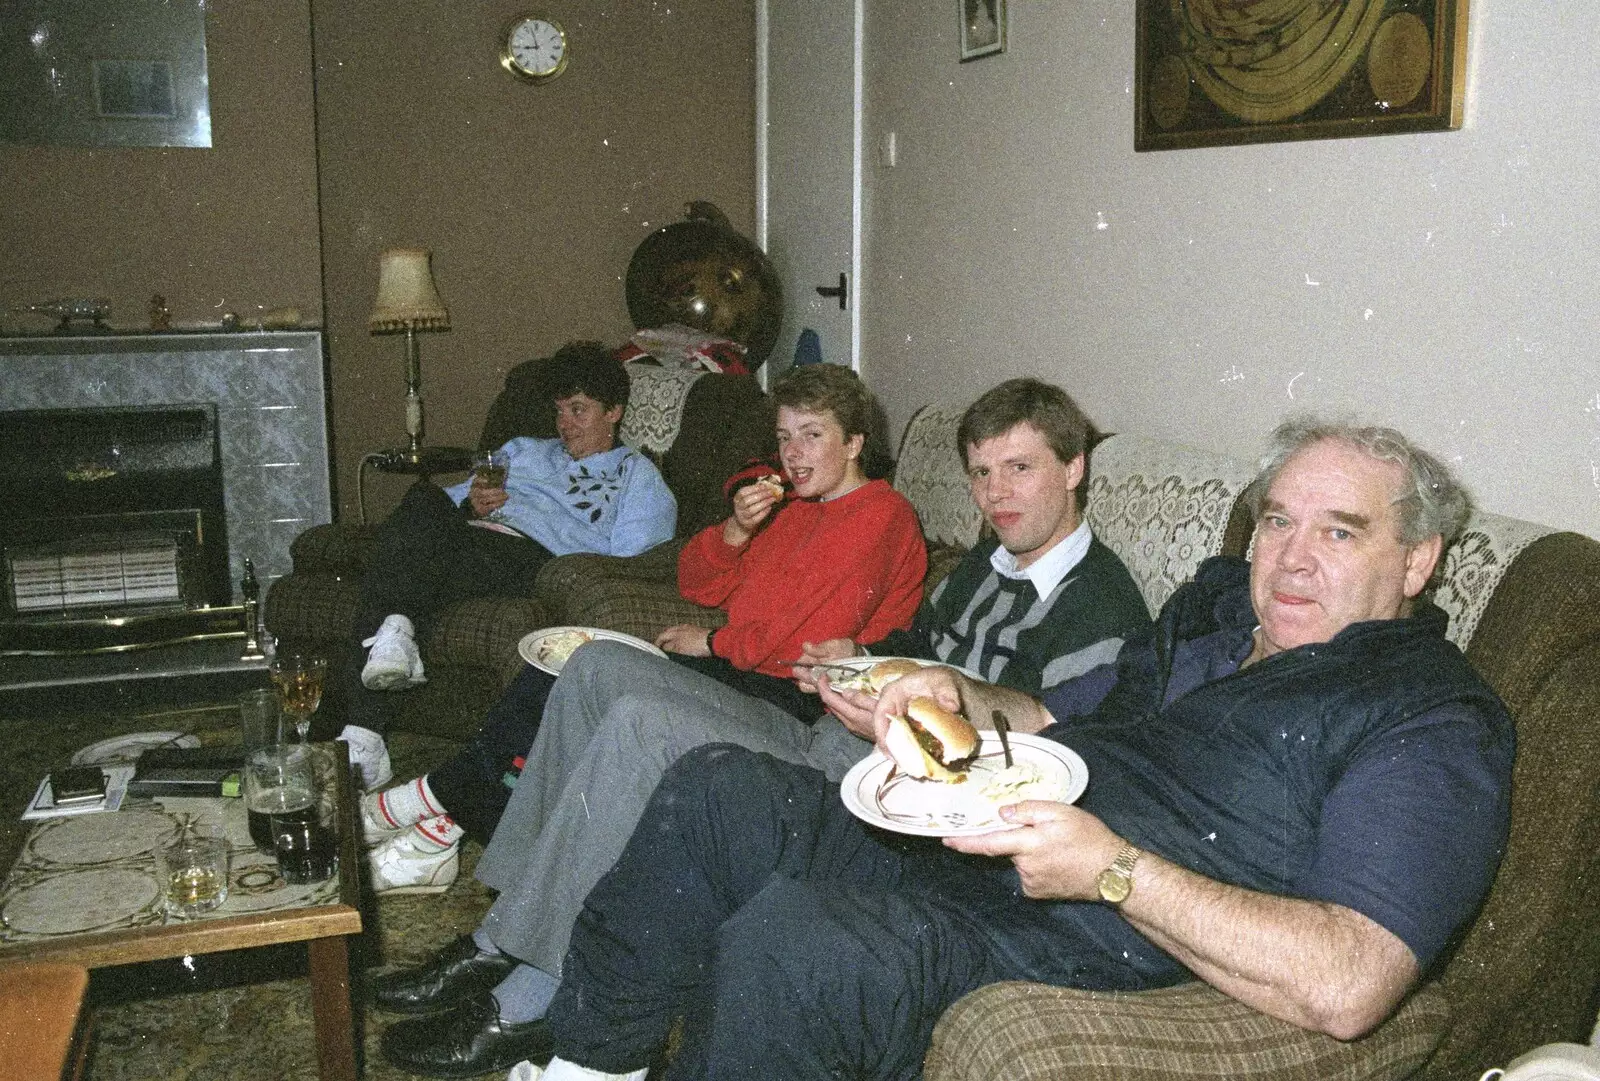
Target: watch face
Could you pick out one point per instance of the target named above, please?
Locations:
(535, 49)
(1114, 885)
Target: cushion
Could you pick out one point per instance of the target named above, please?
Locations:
(334, 549)
(1021, 1031)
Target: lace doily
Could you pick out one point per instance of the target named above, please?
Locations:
(1162, 507)
(929, 474)
(655, 406)
(1474, 566)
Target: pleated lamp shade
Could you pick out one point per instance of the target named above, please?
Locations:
(407, 296)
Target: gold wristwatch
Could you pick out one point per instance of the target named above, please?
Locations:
(1116, 882)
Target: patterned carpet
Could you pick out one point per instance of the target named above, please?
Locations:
(239, 1016)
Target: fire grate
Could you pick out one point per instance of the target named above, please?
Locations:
(139, 570)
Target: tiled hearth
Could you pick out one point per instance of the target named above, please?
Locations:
(271, 419)
(268, 391)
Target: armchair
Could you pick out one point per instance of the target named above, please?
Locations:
(470, 653)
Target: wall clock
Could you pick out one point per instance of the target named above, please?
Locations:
(534, 48)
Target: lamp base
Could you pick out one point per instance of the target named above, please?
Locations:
(423, 460)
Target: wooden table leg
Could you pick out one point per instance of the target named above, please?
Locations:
(330, 1007)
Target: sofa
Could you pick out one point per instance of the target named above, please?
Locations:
(1524, 603)
(697, 427)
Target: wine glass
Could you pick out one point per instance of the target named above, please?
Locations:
(491, 468)
(298, 678)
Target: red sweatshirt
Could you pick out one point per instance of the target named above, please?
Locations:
(851, 567)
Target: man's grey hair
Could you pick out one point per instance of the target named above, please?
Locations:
(1431, 500)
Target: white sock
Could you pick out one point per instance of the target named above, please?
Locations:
(405, 804)
(562, 1070)
(436, 834)
(395, 624)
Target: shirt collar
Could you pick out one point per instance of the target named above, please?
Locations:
(1048, 570)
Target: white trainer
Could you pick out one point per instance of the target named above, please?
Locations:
(402, 865)
(368, 756)
(393, 660)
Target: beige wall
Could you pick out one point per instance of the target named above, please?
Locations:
(233, 228)
(1445, 283)
(531, 197)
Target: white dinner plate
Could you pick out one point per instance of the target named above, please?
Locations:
(120, 749)
(536, 646)
(936, 809)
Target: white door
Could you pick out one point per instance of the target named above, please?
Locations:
(808, 161)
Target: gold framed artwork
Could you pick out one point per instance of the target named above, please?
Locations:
(1212, 72)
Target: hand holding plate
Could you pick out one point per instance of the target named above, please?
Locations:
(1058, 855)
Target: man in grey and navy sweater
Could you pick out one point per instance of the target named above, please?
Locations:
(1043, 600)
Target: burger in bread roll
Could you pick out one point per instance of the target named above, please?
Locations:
(931, 743)
(873, 680)
(773, 481)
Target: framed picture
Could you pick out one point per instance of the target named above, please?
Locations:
(1209, 74)
(983, 28)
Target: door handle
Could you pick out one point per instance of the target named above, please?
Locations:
(842, 291)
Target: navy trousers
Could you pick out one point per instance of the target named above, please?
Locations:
(475, 785)
(427, 557)
(796, 942)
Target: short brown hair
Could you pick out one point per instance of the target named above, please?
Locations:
(1048, 408)
(839, 392)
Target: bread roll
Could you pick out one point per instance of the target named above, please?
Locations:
(931, 743)
(873, 680)
(886, 672)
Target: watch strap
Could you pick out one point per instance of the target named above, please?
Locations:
(1116, 881)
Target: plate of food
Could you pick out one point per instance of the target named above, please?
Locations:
(943, 778)
(548, 649)
(873, 674)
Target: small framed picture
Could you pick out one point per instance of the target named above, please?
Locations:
(134, 89)
(983, 28)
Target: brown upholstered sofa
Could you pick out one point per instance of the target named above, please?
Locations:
(699, 429)
(1524, 602)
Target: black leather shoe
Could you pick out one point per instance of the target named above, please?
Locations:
(456, 973)
(469, 1040)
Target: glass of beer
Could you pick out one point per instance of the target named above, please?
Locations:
(490, 468)
(193, 872)
(298, 678)
(304, 844)
(279, 781)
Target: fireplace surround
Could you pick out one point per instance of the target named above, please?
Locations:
(227, 433)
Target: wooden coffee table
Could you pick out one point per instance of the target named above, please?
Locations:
(84, 892)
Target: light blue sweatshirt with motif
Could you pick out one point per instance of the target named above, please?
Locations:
(612, 503)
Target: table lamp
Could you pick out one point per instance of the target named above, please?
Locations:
(409, 301)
